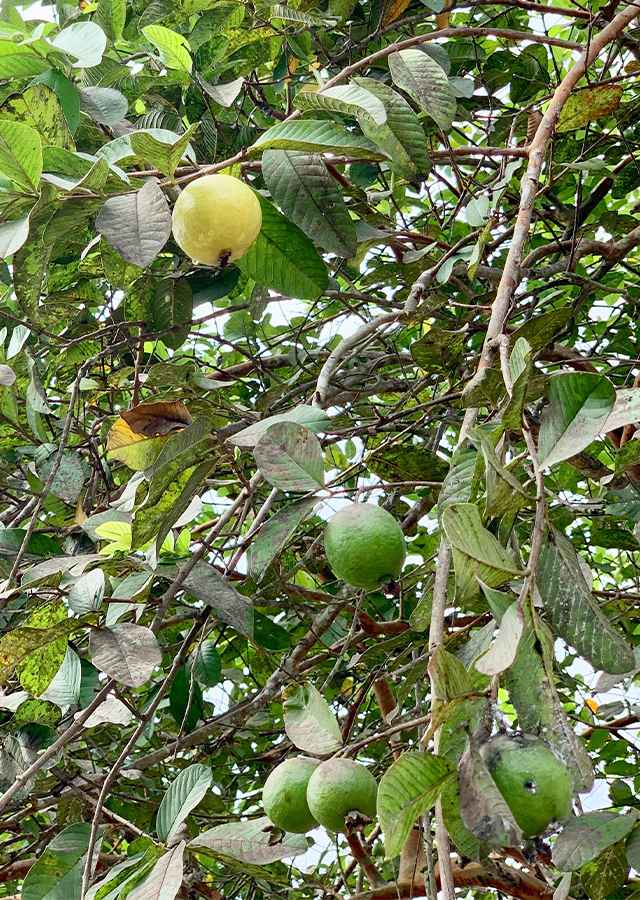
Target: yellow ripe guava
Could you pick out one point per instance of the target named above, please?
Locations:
(216, 219)
(534, 782)
(364, 545)
(284, 795)
(338, 787)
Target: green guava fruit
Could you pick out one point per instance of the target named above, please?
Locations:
(532, 780)
(338, 787)
(216, 219)
(284, 795)
(364, 545)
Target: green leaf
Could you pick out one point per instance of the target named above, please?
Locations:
(39, 107)
(572, 610)
(308, 195)
(459, 483)
(541, 330)
(588, 104)
(290, 457)
(163, 155)
(586, 836)
(87, 593)
(172, 306)
(275, 534)
(409, 788)
(308, 721)
(174, 49)
(17, 61)
(207, 665)
(402, 139)
(184, 794)
(20, 154)
(424, 80)
(57, 874)
(69, 479)
(284, 259)
(349, 99)
(13, 234)
(84, 41)
(195, 481)
(316, 137)
(476, 552)
(186, 703)
(579, 404)
(110, 16)
(105, 105)
(502, 652)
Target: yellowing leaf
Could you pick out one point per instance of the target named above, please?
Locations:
(395, 10)
(138, 435)
(585, 106)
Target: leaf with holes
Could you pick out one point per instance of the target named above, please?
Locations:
(290, 457)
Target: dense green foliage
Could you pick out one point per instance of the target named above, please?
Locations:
(423, 323)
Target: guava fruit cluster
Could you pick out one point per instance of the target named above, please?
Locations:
(302, 793)
(216, 220)
(365, 545)
(534, 782)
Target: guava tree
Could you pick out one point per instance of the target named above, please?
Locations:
(438, 317)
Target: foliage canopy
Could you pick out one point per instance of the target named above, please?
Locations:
(439, 315)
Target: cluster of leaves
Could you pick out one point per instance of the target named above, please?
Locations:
(172, 438)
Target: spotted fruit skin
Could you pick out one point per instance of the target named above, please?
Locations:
(338, 787)
(216, 220)
(365, 545)
(534, 782)
(284, 795)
